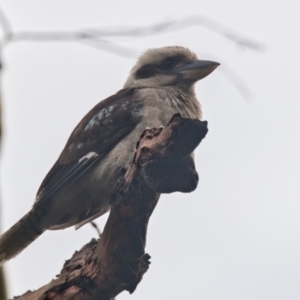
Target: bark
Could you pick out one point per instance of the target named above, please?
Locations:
(2, 285)
(117, 261)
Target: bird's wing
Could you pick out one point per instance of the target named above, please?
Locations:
(97, 133)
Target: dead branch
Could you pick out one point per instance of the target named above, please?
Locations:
(117, 261)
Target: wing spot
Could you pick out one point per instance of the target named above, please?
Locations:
(88, 156)
(80, 145)
(125, 105)
(100, 115)
(91, 123)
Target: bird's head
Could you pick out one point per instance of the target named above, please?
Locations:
(169, 66)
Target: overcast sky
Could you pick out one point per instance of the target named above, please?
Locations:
(238, 235)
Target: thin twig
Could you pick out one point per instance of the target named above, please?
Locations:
(101, 39)
(97, 35)
(5, 24)
(111, 47)
(94, 224)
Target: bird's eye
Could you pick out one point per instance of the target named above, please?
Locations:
(167, 65)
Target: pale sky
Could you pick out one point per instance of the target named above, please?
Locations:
(238, 235)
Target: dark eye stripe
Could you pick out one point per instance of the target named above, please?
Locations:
(146, 71)
(151, 70)
(167, 65)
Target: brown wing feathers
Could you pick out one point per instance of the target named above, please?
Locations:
(98, 132)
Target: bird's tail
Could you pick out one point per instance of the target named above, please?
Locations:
(19, 236)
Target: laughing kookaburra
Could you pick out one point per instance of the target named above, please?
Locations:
(79, 186)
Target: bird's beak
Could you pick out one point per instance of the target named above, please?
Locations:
(196, 70)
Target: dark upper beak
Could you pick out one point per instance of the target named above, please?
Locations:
(196, 70)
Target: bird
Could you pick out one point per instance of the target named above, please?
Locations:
(79, 186)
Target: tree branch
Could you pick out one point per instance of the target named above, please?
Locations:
(117, 261)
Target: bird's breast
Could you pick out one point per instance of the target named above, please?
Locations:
(155, 113)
